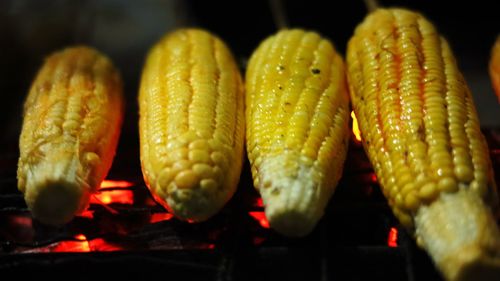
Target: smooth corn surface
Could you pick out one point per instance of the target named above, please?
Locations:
(72, 118)
(297, 112)
(416, 114)
(191, 123)
(495, 67)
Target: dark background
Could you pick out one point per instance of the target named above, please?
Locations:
(125, 30)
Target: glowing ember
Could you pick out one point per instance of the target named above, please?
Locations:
(392, 240)
(259, 202)
(72, 246)
(114, 183)
(157, 217)
(102, 245)
(114, 196)
(80, 237)
(260, 217)
(355, 128)
(82, 245)
(87, 214)
(374, 177)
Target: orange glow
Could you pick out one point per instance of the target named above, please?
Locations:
(72, 246)
(114, 183)
(80, 237)
(374, 177)
(157, 217)
(114, 196)
(82, 245)
(392, 240)
(259, 202)
(101, 245)
(355, 127)
(260, 217)
(87, 214)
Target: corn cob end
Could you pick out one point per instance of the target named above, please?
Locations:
(53, 191)
(461, 236)
(292, 195)
(55, 202)
(189, 196)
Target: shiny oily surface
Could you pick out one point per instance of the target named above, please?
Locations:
(191, 123)
(416, 114)
(297, 126)
(71, 125)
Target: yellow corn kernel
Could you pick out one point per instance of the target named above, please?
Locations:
(418, 120)
(297, 127)
(495, 67)
(72, 119)
(191, 123)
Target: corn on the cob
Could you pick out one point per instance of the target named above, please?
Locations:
(421, 132)
(297, 127)
(495, 67)
(71, 126)
(191, 123)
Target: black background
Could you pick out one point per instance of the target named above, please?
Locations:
(125, 30)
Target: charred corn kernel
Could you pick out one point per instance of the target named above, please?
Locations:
(418, 121)
(191, 123)
(71, 125)
(297, 127)
(495, 67)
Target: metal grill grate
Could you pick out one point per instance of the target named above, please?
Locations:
(127, 233)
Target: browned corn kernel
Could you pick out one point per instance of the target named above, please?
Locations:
(71, 126)
(421, 133)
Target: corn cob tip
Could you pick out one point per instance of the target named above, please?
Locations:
(55, 202)
(288, 222)
(461, 236)
(190, 198)
(53, 188)
(293, 201)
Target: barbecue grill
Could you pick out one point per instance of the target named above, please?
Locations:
(126, 235)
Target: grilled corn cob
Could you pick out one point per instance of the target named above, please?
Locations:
(71, 126)
(421, 132)
(191, 123)
(495, 67)
(297, 127)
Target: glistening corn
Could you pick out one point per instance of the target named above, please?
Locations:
(297, 111)
(71, 125)
(191, 123)
(421, 132)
